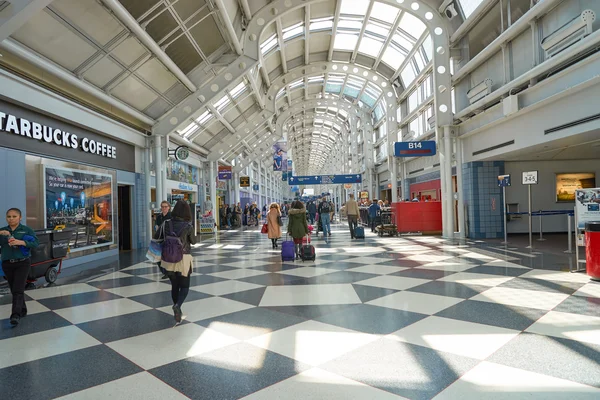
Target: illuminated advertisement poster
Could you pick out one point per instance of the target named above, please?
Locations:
(588, 206)
(81, 201)
(567, 184)
(180, 172)
(280, 156)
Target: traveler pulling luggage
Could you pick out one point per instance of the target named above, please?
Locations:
(307, 251)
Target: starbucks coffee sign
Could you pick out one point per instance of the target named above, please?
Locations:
(182, 153)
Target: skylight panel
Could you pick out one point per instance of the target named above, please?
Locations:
(204, 117)
(468, 6)
(393, 57)
(321, 24)
(402, 42)
(370, 46)
(223, 101)
(345, 41)
(239, 89)
(316, 79)
(268, 44)
(354, 7)
(295, 84)
(377, 30)
(412, 25)
(293, 31)
(418, 57)
(345, 24)
(384, 12)
(188, 130)
(408, 75)
(428, 47)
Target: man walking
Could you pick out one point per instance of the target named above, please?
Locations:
(312, 212)
(374, 212)
(325, 216)
(353, 213)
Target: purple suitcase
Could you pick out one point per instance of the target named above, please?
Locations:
(288, 250)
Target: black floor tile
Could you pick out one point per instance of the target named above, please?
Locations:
(542, 285)
(368, 293)
(310, 312)
(561, 358)
(371, 319)
(580, 305)
(510, 317)
(63, 374)
(32, 323)
(79, 299)
(253, 296)
(125, 326)
(404, 369)
(120, 282)
(449, 289)
(142, 271)
(228, 373)
(274, 279)
(163, 299)
(197, 280)
(403, 263)
(492, 270)
(339, 277)
(212, 269)
(423, 273)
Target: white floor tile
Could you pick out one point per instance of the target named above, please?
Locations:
(478, 256)
(416, 302)
(96, 311)
(491, 381)
(368, 260)
(427, 258)
(238, 273)
(247, 264)
(225, 287)
(457, 337)
(22, 349)
(469, 278)
(111, 276)
(393, 282)
(145, 264)
(522, 298)
(558, 276)
(163, 347)
(138, 290)
(503, 263)
(59, 291)
(33, 307)
(208, 308)
(319, 384)
(377, 269)
(583, 328)
(308, 272)
(449, 265)
(313, 342)
(591, 289)
(139, 386)
(304, 295)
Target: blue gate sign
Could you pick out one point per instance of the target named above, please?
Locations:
(503, 180)
(414, 149)
(325, 179)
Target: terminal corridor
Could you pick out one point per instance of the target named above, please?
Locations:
(380, 318)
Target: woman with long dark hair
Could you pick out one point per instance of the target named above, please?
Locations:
(16, 240)
(179, 272)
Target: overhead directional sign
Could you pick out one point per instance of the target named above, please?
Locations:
(325, 179)
(414, 149)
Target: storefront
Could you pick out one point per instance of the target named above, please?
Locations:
(182, 182)
(62, 175)
(181, 191)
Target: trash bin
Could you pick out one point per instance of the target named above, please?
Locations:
(592, 249)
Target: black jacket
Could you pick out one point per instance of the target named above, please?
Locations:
(162, 218)
(187, 234)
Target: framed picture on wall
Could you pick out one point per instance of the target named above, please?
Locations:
(568, 183)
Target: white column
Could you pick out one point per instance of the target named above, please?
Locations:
(447, 192)
(394, 175)
(459, 187)
(158, 167)
(148, 194)
(163, 170)
(213, 188)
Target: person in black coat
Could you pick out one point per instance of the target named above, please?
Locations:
(165, 215)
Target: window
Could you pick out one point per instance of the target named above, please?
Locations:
(293, 31)
(354, 7)
(393, 57)
(468, 6)
(413, 101)
(428, 47)
(239, 89)
(384, 12)
(408, 74)
(412, 25)
(370, 46)
(268, 44)
(321, 24)
(345, 41)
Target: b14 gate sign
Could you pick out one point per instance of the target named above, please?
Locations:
(414, 149)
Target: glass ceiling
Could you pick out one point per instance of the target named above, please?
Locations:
(468, 6)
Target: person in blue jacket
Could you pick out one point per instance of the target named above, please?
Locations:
(374, 211)
(16, 261)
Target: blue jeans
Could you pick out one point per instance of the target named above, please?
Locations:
(325, 222)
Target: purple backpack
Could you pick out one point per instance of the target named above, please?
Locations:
(172, 249)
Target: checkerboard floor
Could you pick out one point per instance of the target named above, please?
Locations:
(379, 318)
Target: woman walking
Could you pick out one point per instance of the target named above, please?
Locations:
(297, 226)
(273, 219)
(16, 240)
(179, 272)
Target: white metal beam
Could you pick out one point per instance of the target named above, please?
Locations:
(388, 40)
(336, 19)
(235, 41)
(281, 45)
(307, 34)
(362, 31)
(17, 13)
(220, 118)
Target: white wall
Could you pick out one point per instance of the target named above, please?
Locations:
(544, 193)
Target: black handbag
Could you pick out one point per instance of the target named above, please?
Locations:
(279, 220)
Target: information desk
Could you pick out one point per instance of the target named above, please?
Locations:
(418, 216)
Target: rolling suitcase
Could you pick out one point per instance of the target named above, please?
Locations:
(288, 250)
(307, 251)
(359, 232)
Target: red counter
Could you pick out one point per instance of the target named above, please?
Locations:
(418, 216)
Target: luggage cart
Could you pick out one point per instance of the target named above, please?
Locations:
(386, 224)
(47, 258)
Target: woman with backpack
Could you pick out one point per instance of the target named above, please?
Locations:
(178, 234)
(297, 225)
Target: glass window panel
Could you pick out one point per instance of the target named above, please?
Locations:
(412, 25)
(468, 6)
(368, 100)
(393, 57)
(377, 30)
(413, 101)
(408, 75)
(399, 114)
(402, 42)
(384, 12)
(296, 84)
(223, 101)
(346, 24)
(204, 117)
(420, 60)
(428, 46)
(268, 44)
(239, 89)
(355, 7)
(188, 130)
(345, 41)
(370, 46)
(321, 24)
(293, 31)
(413, 128)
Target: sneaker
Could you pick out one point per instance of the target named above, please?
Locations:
(14, 319)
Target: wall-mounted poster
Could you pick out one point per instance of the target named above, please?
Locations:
(567, 184)
(81, 200)
(180, 172)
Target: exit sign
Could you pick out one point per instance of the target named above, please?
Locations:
(414, 149)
